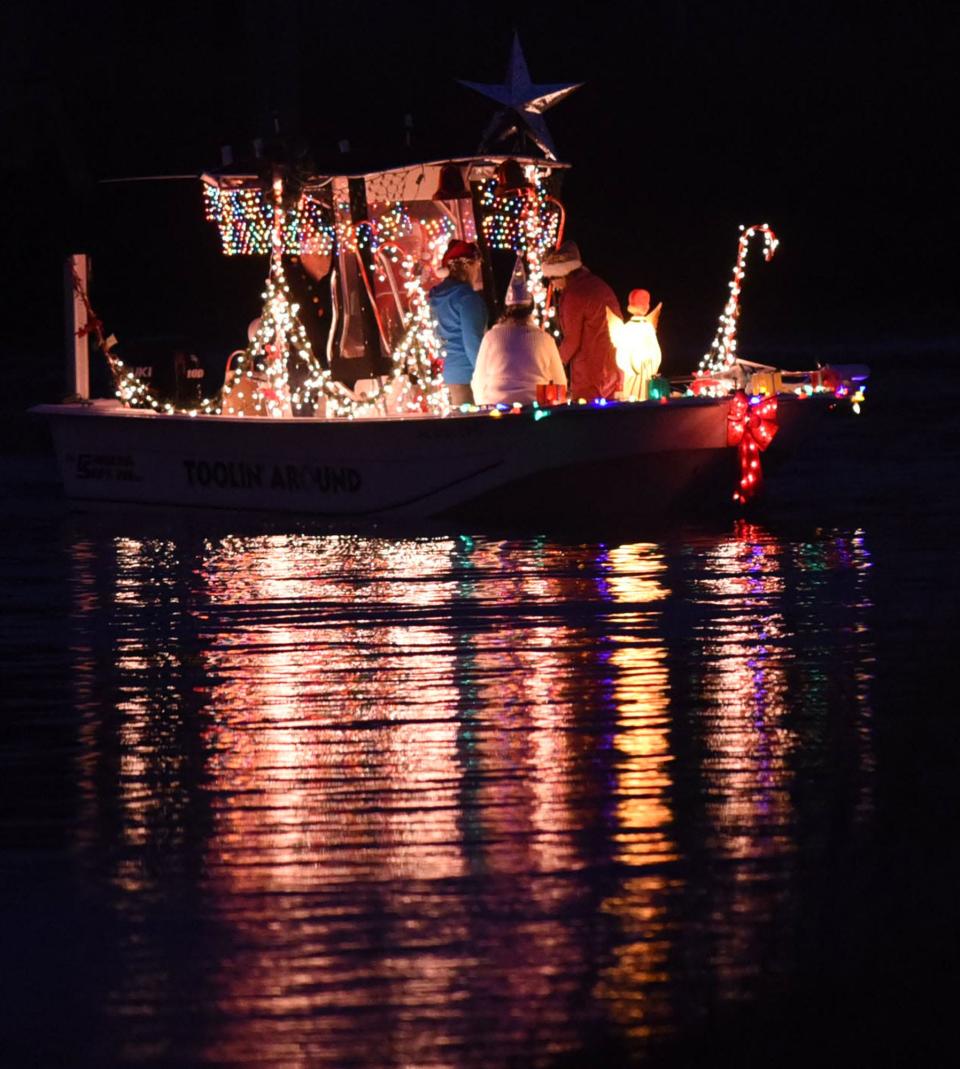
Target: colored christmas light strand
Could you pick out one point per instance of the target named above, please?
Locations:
(526, 221)
(245, 220)
(505, 220)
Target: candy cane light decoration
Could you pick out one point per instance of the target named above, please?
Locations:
(723, 350)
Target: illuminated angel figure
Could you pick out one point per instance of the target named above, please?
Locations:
(638, 351)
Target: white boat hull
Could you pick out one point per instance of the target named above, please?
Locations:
(619, 460)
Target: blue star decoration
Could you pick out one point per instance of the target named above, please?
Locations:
(523, 103)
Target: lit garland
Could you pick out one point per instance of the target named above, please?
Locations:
(722, 356)
(263, 368)
(751, 426)
(260, 374)
(280, 331)
(542, 231)
(394, 224)
(132, 391)
(418, 357)
(374, 242)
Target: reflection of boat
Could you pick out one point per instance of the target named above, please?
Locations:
(398, 783)
(357, 422)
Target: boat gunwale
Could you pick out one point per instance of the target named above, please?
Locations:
(102, 409)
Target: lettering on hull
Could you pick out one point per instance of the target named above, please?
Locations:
(105, 467)
(238, 475)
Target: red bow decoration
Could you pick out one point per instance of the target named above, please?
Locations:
(752, 427)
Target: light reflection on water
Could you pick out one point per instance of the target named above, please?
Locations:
(450, 801)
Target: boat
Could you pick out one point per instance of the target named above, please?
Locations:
(356, 422)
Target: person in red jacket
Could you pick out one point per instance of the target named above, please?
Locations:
(586, 348)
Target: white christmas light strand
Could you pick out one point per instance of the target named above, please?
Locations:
(722, 355)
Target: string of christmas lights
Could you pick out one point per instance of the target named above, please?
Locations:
(419, 355)
(246, 221)
(527, 221)
(722, 355)
(438, 233)
(393, 223)
(505, 220)
(258, 382)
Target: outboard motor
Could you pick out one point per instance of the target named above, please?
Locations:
(168, 366)
(189, 374)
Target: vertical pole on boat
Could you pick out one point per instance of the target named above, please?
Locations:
(379, 361)
(76, 266)
(357, 345)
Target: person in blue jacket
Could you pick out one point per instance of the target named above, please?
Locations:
(461, 315)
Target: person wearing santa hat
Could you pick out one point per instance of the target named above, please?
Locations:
(638, 350)
(461, 315)
(586, 348)
(516, 356)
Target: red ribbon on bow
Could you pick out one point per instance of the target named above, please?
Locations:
(751, 426)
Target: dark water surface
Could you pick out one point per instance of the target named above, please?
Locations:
(285, 797)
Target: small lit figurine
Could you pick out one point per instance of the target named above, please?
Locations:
(638, 351)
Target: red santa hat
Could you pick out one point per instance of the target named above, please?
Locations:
(638, 303)
(460, 250)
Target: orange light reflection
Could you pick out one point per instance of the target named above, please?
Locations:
(635, 984)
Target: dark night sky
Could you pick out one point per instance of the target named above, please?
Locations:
(829, 121)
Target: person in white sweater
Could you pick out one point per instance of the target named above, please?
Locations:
(516, 356)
